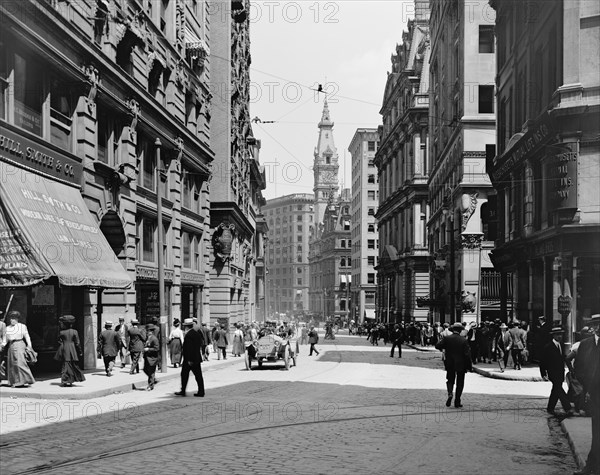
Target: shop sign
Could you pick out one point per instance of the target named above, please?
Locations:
(151, 273)
(192, 278)
(564, 305)
(543, 248)
(562, 171)
(21, 150)
(524, 148)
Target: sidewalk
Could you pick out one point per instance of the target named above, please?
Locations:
(97, 384)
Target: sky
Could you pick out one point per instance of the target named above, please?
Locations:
(295, 45)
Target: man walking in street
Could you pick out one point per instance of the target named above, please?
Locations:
(151, 355)
(193, 341)
(313, 339)
(136, 345)
(553, 361)
(109, 345)
(222, 342)
(587, 370)
(457, 362)
(517, 343)
(207, 341)
(396, 341)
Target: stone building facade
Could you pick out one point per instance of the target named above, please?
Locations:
(461, 127)
(237, 226)
(547, 162)
(290, 222)
(94, 89)
(403, 171)
(365, 200)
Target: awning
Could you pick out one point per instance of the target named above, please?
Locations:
(370, 313)
(47, 230)
(195, 46)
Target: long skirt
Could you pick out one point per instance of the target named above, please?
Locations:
(17, 369)
(175, 351)
(71, 373)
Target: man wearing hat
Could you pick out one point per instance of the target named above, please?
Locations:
(136, 345)
(457, 362)
(151, 355)
(121, 330)
(541, 338)
(553, 362)
(193, 341)
(587, 370)
(109, 345)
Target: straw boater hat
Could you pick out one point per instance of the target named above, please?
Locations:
(68, 318)
(188, 322)
(557, 330)
(108, 323)
(134, 321)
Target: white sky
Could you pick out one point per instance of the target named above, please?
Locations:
(296, 45)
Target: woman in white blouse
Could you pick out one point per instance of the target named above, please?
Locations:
(17, 339)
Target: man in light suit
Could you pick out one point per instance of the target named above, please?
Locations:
(553, 362)
(457, 362)
(137, 338)
(587, 370)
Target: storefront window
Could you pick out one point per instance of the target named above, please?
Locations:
(588, 290)
(28, 86)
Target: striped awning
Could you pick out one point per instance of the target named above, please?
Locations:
(194, 45)
(47, 230)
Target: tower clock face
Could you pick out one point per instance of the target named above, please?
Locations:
(328, 177)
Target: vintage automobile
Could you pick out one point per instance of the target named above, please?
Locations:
(273, 348)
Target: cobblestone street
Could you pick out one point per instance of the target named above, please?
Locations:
(351, 409)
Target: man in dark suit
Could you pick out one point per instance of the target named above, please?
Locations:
(553, 362)
(136, 345)
(587, 370)
(207, 340)
(109, 344)
(457, 362)
(541, 339)
(193, 341)
(151, 355)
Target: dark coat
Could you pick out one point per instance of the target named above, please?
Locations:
(587, 366)
(553, 362)
(136, 339)
(193, 342)
(206, 335)
(109, 343)
(221, 338)
(151, 350)
(458, 354)
(69, 347)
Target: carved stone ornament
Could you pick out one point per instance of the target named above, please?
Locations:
(222, 241)
(468, 206)
(92, 76)
(471, 241)
(134, 110)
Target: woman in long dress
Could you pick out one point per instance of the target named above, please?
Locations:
(175, 344)
(17, 339)
(238, 342)
(69, 352)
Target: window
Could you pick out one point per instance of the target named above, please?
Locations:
(486, 99)
(370, 278)
(371, 260)
(124, 50)
(3, 83)
(371, 163)
(300, 207)
(299, 270)
(62, 107)
(371, 212)
(299, 248)
(342, 243)
(371, 228)
(148, 159)
(148, 236)
(186, 247)
(486, 38)
(371, 194)
(108, 137)
(371, 146)
(371, 244)
(299, 217)
(299, 238)
(299, 281)
(371, 179)
(299, 228)
(28, 87)
(342, 262)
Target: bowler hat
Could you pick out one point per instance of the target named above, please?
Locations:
(457, 326)
(150, 327)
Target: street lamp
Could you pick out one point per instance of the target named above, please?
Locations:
(161, 270)
(446, 210)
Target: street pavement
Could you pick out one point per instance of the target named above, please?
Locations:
(351, 409)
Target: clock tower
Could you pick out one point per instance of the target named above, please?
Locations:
(325, 166)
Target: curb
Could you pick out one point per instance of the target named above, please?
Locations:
(79, 392)
(420, 348)
(506, 376)
(579, 458)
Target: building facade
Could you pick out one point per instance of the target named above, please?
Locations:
(365, 201)
(462, 127)
(403, 170)
(238, 179)
(547, 162)
(290, 221)
(330, 261)
(103, 107)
